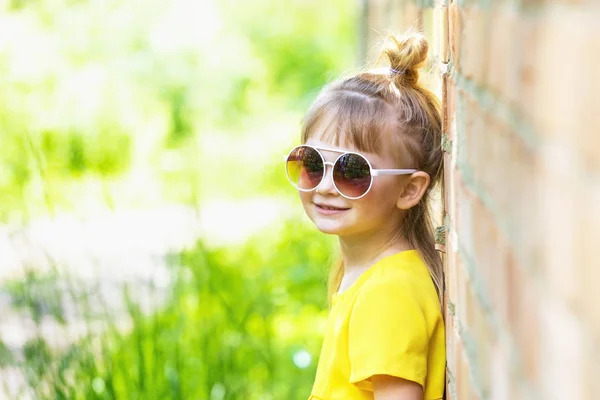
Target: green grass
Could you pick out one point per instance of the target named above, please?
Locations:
(233, 321)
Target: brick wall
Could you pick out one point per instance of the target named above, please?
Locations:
(519, 81)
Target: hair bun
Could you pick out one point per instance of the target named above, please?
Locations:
(406, 55)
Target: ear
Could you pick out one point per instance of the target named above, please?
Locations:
(413, 190)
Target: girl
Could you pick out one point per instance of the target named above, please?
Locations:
(371, 155)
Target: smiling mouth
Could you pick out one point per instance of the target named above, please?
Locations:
(330, 208)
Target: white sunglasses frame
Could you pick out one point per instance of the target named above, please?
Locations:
(373, 171)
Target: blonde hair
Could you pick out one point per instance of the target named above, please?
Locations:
(374, 107)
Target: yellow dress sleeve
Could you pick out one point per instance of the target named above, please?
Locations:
(387, 335)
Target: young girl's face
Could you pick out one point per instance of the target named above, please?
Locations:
(375, 211)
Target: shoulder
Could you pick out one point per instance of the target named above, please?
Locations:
(387, 297)
(397, 281)
(406, 288)
(389, 331)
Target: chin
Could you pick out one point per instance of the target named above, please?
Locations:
(329, 227)
(329, 230)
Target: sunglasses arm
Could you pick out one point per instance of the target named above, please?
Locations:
(382, 172)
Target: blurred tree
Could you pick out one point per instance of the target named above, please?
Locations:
(102, 87)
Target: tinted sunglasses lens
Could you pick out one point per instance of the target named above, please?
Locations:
(305, 168)
(352, 175)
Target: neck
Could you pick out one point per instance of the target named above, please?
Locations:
(362, 251)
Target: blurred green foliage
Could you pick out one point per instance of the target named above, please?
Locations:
(238, 323)
(97, 90)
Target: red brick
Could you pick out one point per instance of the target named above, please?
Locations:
(464, 216)
(513, 295)
(499, 278)
(587, 118)
(474, 51)
(556, 200)
(484, 337)
(592, 368)
(500, 382)
(586, 256)
(526, 58)
(451, 108)
(463, 293)
(520, 201)
(444, 100)
(526, 327)
(451, 342)
(561, 351)
(475, 133)
(463, 379)
(499, 173)
(470, 320)
(564, 101)
(483, 232)
(455, 34)
(451, 274)
(473, 394)
(502, 50)
(479, 330)
(448, 184)
(519, 390)
(449, 393)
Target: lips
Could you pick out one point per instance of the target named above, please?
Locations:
(328, 208)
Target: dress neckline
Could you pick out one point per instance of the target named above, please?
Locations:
(369, 271)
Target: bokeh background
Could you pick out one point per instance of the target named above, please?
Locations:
(150, 245)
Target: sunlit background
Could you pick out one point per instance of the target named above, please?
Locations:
(150, 245)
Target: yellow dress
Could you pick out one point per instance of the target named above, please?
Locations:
(387, 322)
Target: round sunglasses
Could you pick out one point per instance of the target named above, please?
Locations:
(352, 172)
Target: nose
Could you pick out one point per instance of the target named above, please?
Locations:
(326, 185)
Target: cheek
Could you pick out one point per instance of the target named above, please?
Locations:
(306, 200)
(305, 197)
(380, 200)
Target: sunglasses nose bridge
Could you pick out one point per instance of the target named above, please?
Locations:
(326, 183)
(332, 165)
